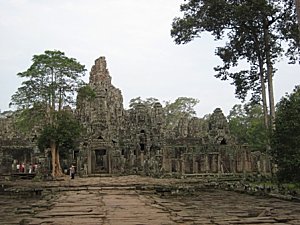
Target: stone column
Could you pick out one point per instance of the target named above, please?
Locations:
(244, 162)
(206, 163)
(89, 161)
(219, 168)
(195, 166)
(214, 164)
(109, 162)
(163, 162)
(182, 162)
(142, 159)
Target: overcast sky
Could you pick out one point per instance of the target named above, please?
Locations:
(133, 35)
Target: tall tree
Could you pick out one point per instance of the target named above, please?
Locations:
(149, 102)
(286, 137)
(181, 107)
(65, 132)
(254, 30)
(50, 84)
(174, 111)
(247, 125)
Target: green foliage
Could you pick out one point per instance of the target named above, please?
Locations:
(254, 30)
(246, 123)
(50, 84)
(286, 137)
(27, 119)
(181, 107)
(86, 92)
(237, 123)
(51, 80)
(174, 111)
(134, 102)
(149, 102)
(64, 133)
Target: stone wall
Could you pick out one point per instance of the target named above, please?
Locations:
(15, 146)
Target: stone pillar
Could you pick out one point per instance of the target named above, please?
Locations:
(195, 165)
(85, 169)
(214, 163)
(109, 162)
(244, 162)
(219, 168)
(258, 164)
(233, 163)
(182, 171)
(239, 161)
(163, 162)
(89, 161)
(142, 159)
(206, 163)
(14, 166)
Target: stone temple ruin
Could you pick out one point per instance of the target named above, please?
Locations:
(120, 141)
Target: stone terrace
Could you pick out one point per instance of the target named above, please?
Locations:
(139, 200)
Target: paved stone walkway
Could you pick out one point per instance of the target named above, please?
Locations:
(126, 205)
(90, 207)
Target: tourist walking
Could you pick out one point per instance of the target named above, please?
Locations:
(72, 172)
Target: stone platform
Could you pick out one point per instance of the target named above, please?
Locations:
(134, 200)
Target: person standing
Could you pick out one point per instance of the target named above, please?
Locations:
(72, 172)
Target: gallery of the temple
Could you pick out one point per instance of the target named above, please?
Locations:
(136, 141)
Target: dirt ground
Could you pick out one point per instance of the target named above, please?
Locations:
(135, 200)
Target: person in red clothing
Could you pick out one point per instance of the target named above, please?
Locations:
(22, 167)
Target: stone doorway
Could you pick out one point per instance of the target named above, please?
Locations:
(101, 161)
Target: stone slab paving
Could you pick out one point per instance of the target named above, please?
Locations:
(88, 202)
(102, 207)
(222, 207)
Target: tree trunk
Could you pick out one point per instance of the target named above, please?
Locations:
(271, 94)
(263, 94)
(269, 73)
(260, 59)
(53, 155)
(264, 100)
(297, 3)
(59, 170)
(56, 168)
(263, 86)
